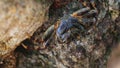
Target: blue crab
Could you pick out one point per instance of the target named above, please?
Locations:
(79, 20)
(75, 23)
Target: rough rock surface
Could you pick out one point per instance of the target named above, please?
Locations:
(86, 51)
(18, 21)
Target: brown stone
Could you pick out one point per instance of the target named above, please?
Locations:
(18, 21)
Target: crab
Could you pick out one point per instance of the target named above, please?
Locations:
(69, 26)
(79, 21)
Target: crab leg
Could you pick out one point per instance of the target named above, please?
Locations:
(80, 12)
(92, 2)
(48, 33)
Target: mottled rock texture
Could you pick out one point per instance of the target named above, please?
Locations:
(18, 21)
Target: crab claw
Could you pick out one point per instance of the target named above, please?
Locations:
(63, 32)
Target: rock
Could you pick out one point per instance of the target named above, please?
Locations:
(114, 59)
(19, 19)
